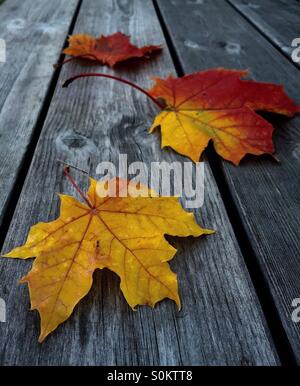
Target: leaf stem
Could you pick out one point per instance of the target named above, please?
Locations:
(72, 166)
(88, 56)
(133, 85)
(67, 174)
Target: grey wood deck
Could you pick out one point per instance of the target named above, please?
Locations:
(236, 286)
(264, 196)
(34, 33)
(279, 24)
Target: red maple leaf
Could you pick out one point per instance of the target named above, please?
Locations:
(218, 105)
(108, 50)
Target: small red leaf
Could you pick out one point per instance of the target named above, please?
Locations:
(108, 50)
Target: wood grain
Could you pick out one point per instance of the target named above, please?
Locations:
(279, 21)
(266, 193)
(93, 120)
(34, 32)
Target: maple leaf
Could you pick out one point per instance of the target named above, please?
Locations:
(109, 50)
(124, 234)
(218, 105)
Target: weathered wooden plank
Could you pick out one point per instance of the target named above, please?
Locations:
(34, 33)
(265, 193)
(94, 120)
(279, 21)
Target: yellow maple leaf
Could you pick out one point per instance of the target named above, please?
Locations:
(124, 234)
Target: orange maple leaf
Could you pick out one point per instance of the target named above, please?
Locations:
(124, 234)
(109, 50)
(218, 105)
